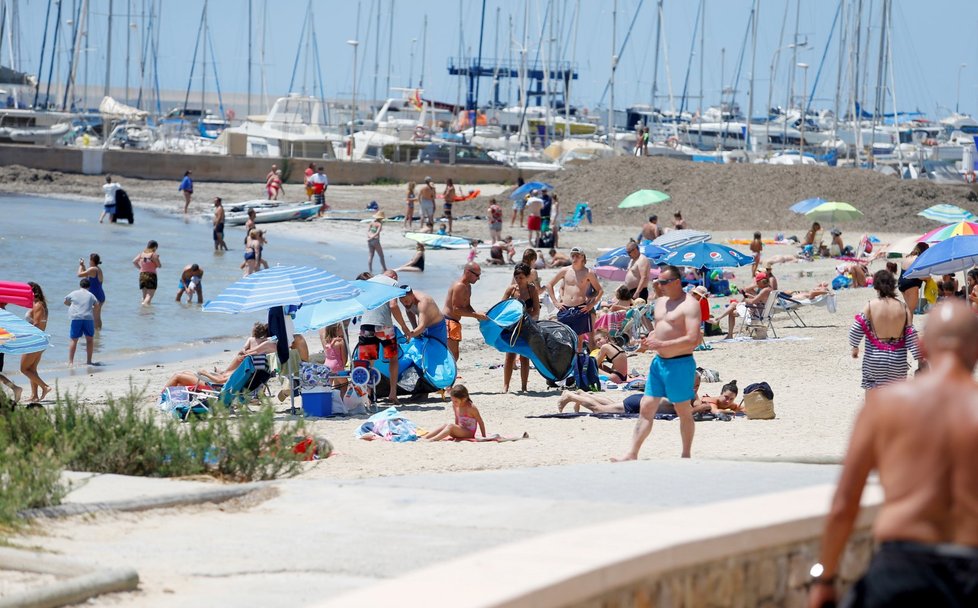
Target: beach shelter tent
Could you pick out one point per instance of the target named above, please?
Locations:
(945, 232)
(807, 205)
(372, 295)
(833, 212)
(18, 337)
(643, 198)
(677, 238)
(948, 256)
(425, 365)
(948, 214)
(550, 345)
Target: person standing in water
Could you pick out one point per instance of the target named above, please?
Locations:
(95, 281)
(108, 205)
(219, 244)
(373, 241)
(38, 317)
(148, 262)
(187, 187)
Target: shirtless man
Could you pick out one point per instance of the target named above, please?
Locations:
(651, 230)
(927, 527)
(219, 244)
(534, 221)
(427, 197)
(673, 370)
(754, 304)
(575, 303)
(424, 314)
(637, 274)
(557, 259)
(458, 304)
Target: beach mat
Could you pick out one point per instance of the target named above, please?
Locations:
(602, 415)
(495, 438)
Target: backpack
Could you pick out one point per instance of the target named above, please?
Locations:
(545, 240)
(585, 373)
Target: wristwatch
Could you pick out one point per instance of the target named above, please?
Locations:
(817, 578)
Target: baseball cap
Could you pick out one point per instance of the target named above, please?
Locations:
(701, 291)
(577, 250)
(760, 276)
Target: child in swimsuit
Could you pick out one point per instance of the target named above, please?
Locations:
(467, 419)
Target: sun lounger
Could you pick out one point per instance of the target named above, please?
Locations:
(792, 306)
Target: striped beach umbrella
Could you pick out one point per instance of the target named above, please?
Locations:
(643, 198)
(281, 286)
(947, 214)
(945, 232)
(677, 238)
(18, 337)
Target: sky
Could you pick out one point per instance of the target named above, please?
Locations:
(928, 48)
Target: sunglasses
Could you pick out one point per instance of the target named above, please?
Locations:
(477, 274)
(665, 281)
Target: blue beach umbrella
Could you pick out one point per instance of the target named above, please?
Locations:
(950, 255)
(372, 295)
(948, 214)
(281, 286)
(807, 205)
(674, 239)
(612, 258)
(529, 187)
(707, 255)
(18, 337)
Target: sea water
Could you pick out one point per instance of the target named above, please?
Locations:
(41, 240)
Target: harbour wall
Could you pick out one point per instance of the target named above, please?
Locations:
(240, 169)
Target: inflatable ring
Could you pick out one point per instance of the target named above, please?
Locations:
(419, 132)
(673, 141)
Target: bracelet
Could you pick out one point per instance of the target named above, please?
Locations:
(827, 581)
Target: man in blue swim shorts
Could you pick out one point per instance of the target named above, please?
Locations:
(673, 370)
(81, 312)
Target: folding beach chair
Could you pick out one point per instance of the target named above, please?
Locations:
(250, 377)
(792, 307)
(573, 221)
(753, 322)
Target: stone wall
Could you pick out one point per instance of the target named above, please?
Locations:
(774, 577)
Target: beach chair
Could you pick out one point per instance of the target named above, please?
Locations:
(573, 221)
(754, 323)
(245, 382)
(792, 307)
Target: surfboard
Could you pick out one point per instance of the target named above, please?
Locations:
(438, 241)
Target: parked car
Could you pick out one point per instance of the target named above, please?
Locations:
(458, 154)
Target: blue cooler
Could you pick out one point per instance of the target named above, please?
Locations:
(318, 402)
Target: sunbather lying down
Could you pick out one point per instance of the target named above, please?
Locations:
(819, 290)
(258, 344)
(601, 404)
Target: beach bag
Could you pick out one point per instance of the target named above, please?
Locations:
(759, 401)
(841, 282)
(545, 240)
(585, 373)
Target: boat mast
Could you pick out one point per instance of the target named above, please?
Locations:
(424, 49)
(129, 25)
(376, 53)
(567, 75)
(108, 52)
(702, 59)
(390, 46)
(250, 36)
(614, 65)
(655, 61)
(753, 62)
(791, 73)
(76, 48)
(880, 101)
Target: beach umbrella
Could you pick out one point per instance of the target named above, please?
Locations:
(833, 212)
(281, 286)
(807, 205)
(529, 187)
(678, 238)
(707, 255)
(643, 198)
(952, 255)
(948, 214)
(18, 337)
(372, 295)
(613, 257)
(945, 232)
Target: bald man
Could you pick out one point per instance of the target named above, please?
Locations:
(922, 437)
(458, 304)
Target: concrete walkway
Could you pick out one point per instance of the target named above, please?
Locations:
(312, 540)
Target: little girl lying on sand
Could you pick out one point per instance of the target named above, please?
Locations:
(467, 418)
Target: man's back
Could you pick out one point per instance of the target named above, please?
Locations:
(925, 444)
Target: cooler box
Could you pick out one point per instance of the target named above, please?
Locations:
(317, 403)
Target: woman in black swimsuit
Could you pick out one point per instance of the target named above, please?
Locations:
(417, 262)
(611, 359)
(910, 288)
(525, 291)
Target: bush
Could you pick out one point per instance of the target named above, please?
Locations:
(126, 439)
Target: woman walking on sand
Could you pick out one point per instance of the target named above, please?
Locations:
(373, 241)
(411, 199)
(95, 281)
(148, 262)
(910, 288)
(38, 317)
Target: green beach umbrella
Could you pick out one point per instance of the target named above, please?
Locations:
(834, 212)
(643, 198)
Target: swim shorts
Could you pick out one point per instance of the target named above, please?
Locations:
(219, 232)
(632, 404)
(534, 222)
(427, 208)
(385, 336)
(495, 226)
(80, 327)
(671, 378)
(448, 210)
(907, 284)
(147, 280)
(905, 573)
(454, 330)
(438, 331)
(576, 318)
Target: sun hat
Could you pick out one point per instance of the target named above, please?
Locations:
(701, 291)
(380, 215)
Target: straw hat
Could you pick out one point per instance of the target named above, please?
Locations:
(701, 291)
(380, 216)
